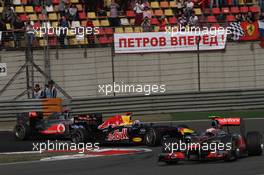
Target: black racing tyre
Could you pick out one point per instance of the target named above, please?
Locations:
(78, 136)
(152, 137)
(254, 141)
(21, 132)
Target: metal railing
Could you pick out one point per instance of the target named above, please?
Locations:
(176, 102)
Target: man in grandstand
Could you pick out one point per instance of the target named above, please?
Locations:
(64, 24)
(114, 20)
(30, 35)
(90, 37)
(18, 27)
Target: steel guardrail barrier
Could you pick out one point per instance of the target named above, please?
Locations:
(141, 104)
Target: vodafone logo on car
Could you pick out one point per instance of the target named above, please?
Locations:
(117, 135)
(61, 128)
(229, 121)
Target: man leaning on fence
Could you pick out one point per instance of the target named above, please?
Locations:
(50, 91)
(38, 92)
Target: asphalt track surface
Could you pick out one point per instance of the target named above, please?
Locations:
(145, 163)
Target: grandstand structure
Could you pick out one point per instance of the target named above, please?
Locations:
(80, 70)
(50, 15)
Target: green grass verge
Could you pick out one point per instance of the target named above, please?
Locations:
(204, 115)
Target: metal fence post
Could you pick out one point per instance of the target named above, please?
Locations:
(113, 64)
(198, 64)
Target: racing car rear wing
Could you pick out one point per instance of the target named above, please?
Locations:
(231, 121)
(228, 121)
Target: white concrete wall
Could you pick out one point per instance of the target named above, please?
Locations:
(240, 66)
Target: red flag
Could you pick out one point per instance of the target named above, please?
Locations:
(251, 31)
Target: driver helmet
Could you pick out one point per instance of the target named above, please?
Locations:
(136, 123)
(215, 124)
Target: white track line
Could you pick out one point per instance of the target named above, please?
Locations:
(22, 152)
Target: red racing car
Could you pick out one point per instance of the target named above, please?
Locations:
(227, 140)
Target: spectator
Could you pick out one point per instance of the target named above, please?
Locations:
(183, 20)
(215, 3)
(50, 91)
(139, 13)
(8, 14)
(147, 13)
(89, 5)
(90, 38)
(238, 18)
(38, 92)
(2, 34)
(180, 4)
(45, 2)
(30, 2)
(61, 8)
(146, 26)
(114, 20)
(8, 2)
(235, 2)
(99, 4)
(85, 3)
(163, 24)
(261, 5)
(244, 18)
(189, 8)
(63, 23)
(102, 12)
(30, 35)
(250, 17)
(18, 28)
(73, 13)
(193, 20)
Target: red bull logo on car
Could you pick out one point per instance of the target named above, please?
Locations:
(117, 135)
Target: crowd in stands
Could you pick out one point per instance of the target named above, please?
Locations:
(22, 16)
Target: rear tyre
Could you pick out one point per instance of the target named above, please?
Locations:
(152, 137)
(78, 136)
(254, 141)
(21, 132)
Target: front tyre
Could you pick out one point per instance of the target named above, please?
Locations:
(21, 132)
(152, 137)
(78, 136)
